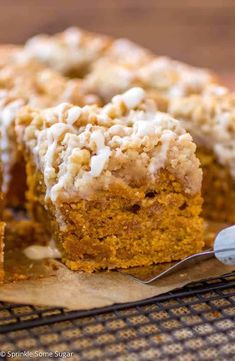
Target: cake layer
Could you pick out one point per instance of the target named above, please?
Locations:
(218, 188)
(121, 227)
(117, 186)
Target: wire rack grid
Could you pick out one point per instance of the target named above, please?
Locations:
(194, 323)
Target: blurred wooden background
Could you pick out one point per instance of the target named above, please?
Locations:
(200, 32)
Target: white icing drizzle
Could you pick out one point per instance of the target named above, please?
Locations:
(131, 98)
(53, 135)
(161, 155)
(37, 252)
(73, 114)
(8, 148)
(103, 153)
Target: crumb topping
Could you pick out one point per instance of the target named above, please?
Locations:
(109, 78)
(29, 83)
(174, 78)
(115, 71)
(80, 150)
(8, 53)
(126, 52)
(71, 49)
(19, 75)
(210, 118)
(111, 75)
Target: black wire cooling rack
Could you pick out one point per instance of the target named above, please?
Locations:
(194, 323)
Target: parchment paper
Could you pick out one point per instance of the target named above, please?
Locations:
(50, 283)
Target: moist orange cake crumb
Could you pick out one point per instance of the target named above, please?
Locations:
(117, 186)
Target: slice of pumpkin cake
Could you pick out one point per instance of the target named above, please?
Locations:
(210, 119)
(117, 186)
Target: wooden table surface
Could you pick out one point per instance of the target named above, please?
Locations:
(200, 32)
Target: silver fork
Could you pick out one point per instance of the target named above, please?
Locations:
(223, 250)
